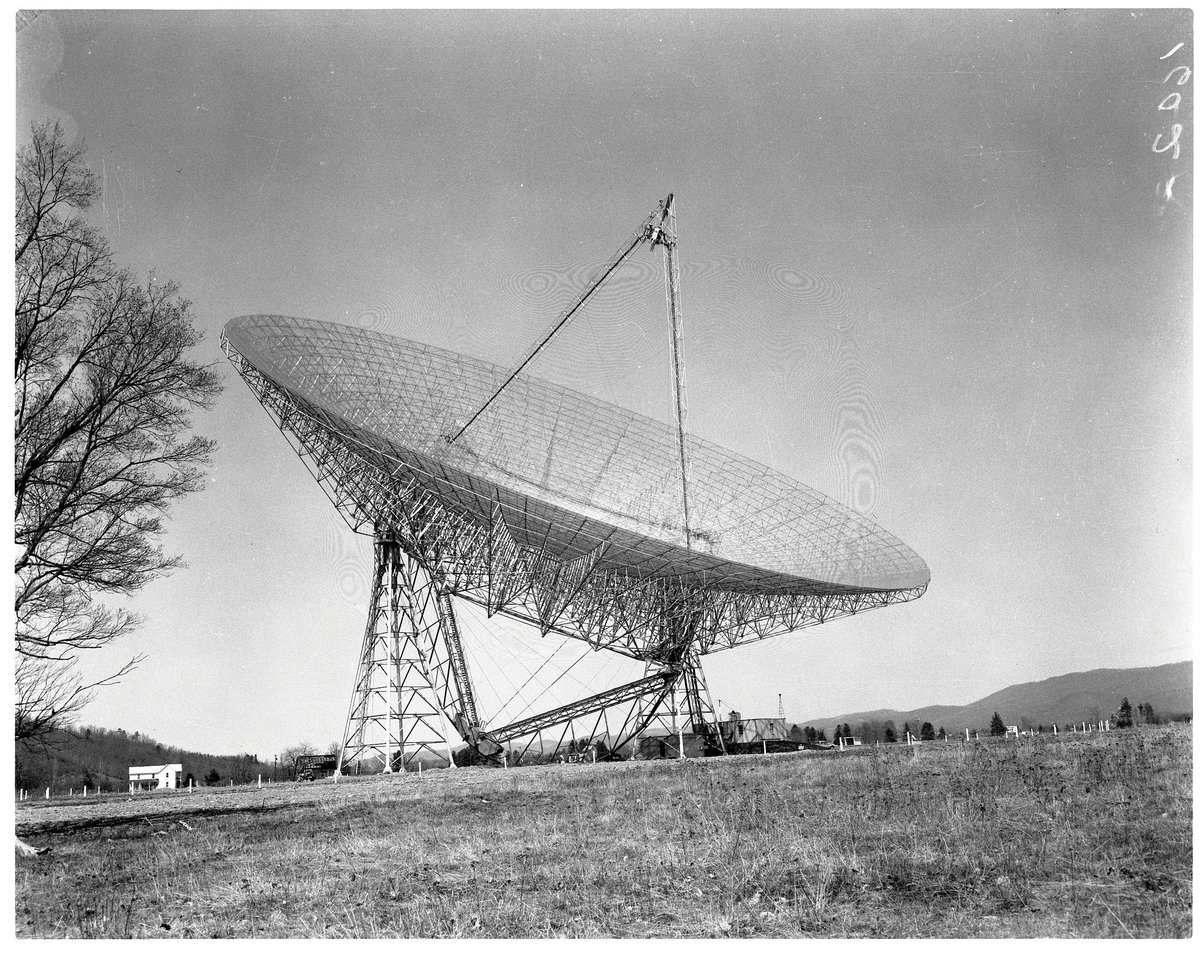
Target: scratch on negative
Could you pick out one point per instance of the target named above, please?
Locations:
(957, 306)
(272, 169)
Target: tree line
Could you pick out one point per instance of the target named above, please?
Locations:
(1123, 718)
(870, 732)
(1126, 715)
(99, 758)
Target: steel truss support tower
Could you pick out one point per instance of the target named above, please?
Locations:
(686, 707)
(412, 690)
(402, 689)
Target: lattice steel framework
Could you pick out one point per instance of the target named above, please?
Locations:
(398, 709)
(533, 561)
(558, 510)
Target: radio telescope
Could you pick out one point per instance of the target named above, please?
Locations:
(541, 503)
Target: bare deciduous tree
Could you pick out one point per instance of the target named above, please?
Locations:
(105, 392)
(289, 756)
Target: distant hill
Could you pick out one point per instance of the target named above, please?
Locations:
(100, 758)
(1073, 698)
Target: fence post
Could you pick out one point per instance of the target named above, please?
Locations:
(85, 790)
(420, 769)
(681, 743)
(593, 755)
(47, 792)
(189, 787)
(506, 760)
(764, 747)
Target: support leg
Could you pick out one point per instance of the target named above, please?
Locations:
(396, 714)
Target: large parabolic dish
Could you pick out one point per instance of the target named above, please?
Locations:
(569, 475)
(558, 509)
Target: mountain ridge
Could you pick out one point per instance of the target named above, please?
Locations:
(1078, 697)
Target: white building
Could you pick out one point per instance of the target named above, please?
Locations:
(168, 776)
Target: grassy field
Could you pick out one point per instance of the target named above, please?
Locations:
(1074, 836)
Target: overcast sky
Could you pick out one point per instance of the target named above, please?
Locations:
(928, 267)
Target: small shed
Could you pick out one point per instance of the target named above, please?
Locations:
(167, 776)
(316, 766)
(665, 745)
(739, 730)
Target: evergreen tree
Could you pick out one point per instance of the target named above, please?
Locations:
(998, 728)
(1125, 714)
(889, 733)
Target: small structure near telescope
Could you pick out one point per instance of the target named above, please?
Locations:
(736, 729)
(770, 734)
(664, 744)
(536, 502)
(166, 776)
(316, 766)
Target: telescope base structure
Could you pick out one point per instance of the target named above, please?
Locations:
(686, 708)
(395, 717)
(413, 694)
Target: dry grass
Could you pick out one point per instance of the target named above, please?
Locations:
(1087, 836)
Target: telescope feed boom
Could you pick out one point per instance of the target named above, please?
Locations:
(644, 232)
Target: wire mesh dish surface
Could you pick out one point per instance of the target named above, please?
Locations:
(571, 475)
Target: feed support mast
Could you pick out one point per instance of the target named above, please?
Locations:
(666, 236)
